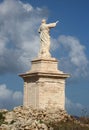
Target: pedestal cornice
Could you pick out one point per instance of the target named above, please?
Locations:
(45, 74)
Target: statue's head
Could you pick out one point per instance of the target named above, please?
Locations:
(43, 20)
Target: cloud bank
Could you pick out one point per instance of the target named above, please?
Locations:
(19, 39)
(8, 98)
(74, 59)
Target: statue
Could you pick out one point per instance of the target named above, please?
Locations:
(44, 30)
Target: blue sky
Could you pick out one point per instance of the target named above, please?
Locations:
(19, 44)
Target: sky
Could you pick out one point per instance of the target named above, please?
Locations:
(20, 43)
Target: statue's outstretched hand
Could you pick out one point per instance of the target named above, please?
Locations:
(57, 22)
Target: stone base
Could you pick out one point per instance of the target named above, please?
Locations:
(44, 85)
(44, 65)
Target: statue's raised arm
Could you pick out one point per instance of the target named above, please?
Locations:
(44, 30)
(52, 25)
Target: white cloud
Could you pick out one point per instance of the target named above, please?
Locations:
(76, 50)
(19, 39)
(27, 7)
(74, 108)
(54, 44)
(17, 95)
(75, 60)
(4, 92)
(8, 98)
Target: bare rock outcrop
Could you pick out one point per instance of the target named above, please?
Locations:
(27, 118)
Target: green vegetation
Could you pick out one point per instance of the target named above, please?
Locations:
(84, 120)
(2, 118)
(81, 124)
(69, 126)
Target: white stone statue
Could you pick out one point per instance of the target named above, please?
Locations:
(44, 31)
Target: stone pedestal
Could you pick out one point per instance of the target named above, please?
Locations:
(44, 84)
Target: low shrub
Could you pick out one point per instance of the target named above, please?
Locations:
(2, 118)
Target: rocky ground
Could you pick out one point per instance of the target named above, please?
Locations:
(23, 118)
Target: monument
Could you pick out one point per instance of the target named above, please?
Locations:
(44, 84)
